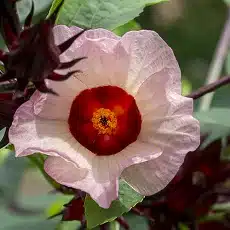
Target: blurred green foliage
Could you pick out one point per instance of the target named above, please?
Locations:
(24, 6)
(192, 29)
(215, 122)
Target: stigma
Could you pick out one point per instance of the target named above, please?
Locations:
(105, 121)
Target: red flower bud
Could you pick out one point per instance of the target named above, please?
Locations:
(74, 210)
(34, 56)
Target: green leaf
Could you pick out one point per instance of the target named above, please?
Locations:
(224, 207)
(108, 14)
(36, 225)
(12, 221)
(215, 122)
(41, 202)
(131, 25)
(95, 215)
(2, 133)
(36, 218)
(225, 154)
(2, 43)
(11, 172)
(29, 214)
(227, 62)
(24, 6)
(38, 160)
(4, 153)
(227, 2)
(218, 216)
(136, 222)
(40, 6)
(58, 205)
(54, 5)
(114, 225)
(2, 68)
(69, 225)
(186, 86)
(183, 226)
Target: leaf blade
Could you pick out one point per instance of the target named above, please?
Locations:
(96, 215)
(215, 123)
(2, 133)
(107, 14)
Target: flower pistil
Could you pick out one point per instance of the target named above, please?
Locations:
(105, 121)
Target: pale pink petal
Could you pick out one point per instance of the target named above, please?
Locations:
(106, 57)
(149, 54)
(54, 107)
(176, 134)
(117, 66)
(68, 174)
(166, 116)
(174, 131)
(104, 38)
(151, 97)
(151, 177)
(106, 168)
(30, 133)
(107, 67)
(96, 34)
(64, 171)
(167, 123)
(62, 33)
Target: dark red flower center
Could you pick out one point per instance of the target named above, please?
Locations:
(104, 119)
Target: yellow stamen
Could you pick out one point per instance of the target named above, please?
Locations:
(105, 121)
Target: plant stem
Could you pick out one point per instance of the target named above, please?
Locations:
(217, 63)
(209, 88)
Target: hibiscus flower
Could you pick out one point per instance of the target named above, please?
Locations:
(122, 116)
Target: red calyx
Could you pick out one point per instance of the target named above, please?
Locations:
(74, 210)
(34, 47)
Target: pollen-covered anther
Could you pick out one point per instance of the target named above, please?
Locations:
(105, 121)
